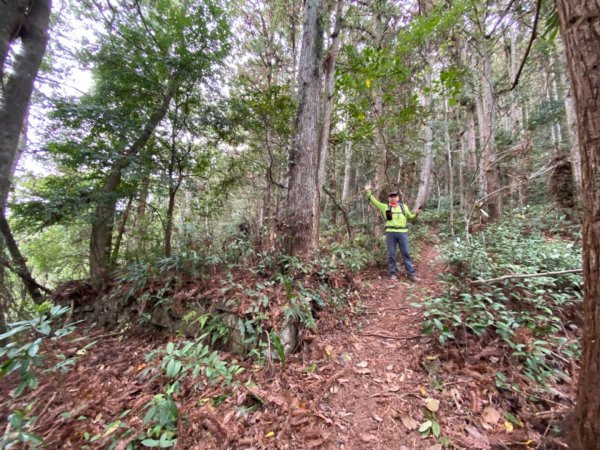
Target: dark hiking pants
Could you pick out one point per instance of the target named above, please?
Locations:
(400, 239)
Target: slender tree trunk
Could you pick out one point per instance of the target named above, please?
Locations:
(102, 224)
(19, 262)
(173, 189)
(6, 299)
(427, 165)
(381, 161)
(121, 232)
(303, 195)
(573, 132)
(329, 68)
(450, 165)
(489, 169)
(347, 171)
(139, 222)
(461, 164)
(580, 27)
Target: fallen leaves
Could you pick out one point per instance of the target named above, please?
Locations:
(362, 368)
(409, 422)
(432, 404)
(491, 415)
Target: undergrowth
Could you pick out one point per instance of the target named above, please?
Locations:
(532, 317)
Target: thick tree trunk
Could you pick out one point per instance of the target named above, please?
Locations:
(580, 27)
(303, 196)
(427, 165)
(27, 21)
(102, 224)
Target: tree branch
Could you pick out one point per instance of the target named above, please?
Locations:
(341, 208)
(526, 55)
(527, 275)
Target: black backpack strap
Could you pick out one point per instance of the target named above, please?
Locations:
(402, 208)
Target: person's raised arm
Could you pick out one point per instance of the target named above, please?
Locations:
(373, 200)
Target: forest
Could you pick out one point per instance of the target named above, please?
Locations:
(201, 203)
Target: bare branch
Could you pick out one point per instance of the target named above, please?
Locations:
(527, 275)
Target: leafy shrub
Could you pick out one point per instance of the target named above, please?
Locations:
(20, 354)
(527, 314)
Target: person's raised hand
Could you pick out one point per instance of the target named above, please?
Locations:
(368, 187)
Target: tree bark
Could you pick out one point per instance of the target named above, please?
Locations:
(27, 21)
(12, 19)
(32, 29)
(102, 224)
(303, 195)
(580, 28)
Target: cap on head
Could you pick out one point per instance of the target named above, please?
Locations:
(393, 194)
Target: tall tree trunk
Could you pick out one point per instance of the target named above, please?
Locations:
(139, 222)
(580, 27)
(103, 221)
(347, 171)
(381, 160)
(303, 195)
(427, 164)
(329, 68)
(573, 132)
(27, 21)
(121, 232)
(450, 164)
(33, 32)
(488, 168)
(173, 189)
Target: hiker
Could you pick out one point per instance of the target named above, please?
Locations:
(396, 233)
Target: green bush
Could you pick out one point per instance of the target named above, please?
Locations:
(527, 314)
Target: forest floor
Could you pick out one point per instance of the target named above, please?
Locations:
(368, 379)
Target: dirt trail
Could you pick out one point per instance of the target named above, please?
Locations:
(383, 383)
(366, 379)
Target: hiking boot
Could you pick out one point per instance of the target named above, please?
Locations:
(393, 277)
(414, 279)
